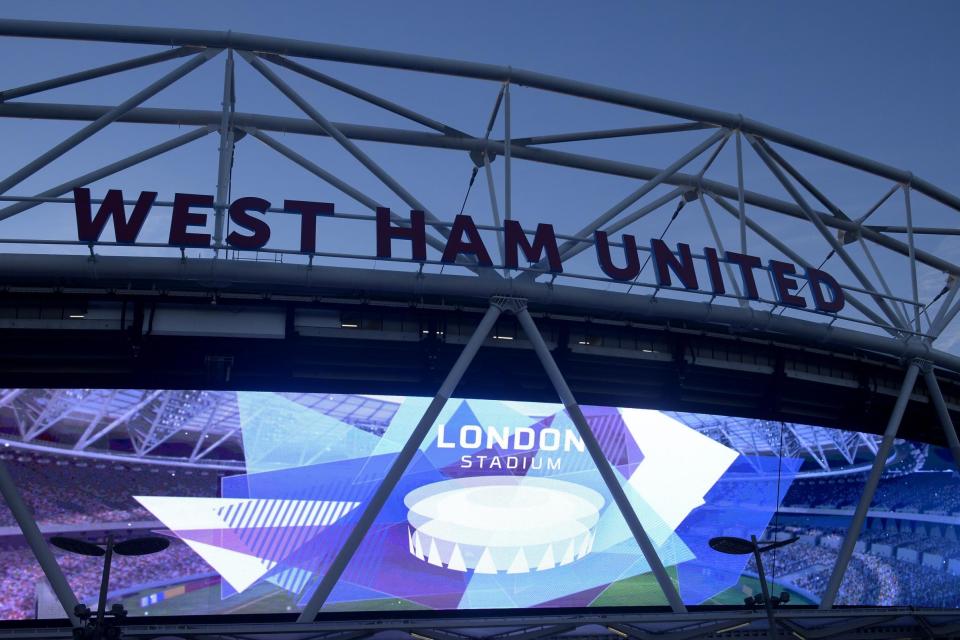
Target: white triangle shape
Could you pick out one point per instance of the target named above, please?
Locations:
(185, 514)
(417, 545)
(519, 564)
(485, 564)
(547, 561)
(410, 540)
(456, 560)
(238, 569)
(434, 557)
(568, 555)
(584, 546)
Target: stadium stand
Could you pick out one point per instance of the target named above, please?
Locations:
(937, 493)
(65, 491)
(20, 573)
(899, 561)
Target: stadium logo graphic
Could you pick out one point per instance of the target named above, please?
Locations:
(502, 523)
(511, 443)
(467, 534)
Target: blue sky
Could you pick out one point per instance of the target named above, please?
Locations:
(875, 78)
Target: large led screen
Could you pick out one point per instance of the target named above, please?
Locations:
(501, 507)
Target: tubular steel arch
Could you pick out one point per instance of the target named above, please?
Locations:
(890, 315)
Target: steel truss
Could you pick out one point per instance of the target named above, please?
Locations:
(147, 418)
(898, 324)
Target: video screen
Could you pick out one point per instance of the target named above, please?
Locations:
(502, 506)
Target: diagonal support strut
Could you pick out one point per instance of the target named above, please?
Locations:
(400, 464)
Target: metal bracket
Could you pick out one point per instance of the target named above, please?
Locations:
(508, 304)
(923, 364)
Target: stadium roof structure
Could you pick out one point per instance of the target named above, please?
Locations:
(121, 318)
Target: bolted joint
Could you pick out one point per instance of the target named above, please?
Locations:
(477, 157)
(924, 365)
(508, 304)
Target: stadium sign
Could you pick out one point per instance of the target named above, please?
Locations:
(458, 535)
(463, 239)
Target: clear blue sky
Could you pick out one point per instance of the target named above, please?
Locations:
(876, 78)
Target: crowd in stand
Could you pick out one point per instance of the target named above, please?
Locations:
(61, 491)
(918, 492)
(85, 491)
(20, 574)
(869, 578)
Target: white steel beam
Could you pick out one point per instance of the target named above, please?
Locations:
(330, 129)
(400, 464)
(599, 459)
(97, 72)
(31, 532)
(147, 398)
(110, 116)
(108, 170)
(870, 487)
(761, 148)
(225, 164)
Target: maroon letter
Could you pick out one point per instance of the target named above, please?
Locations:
(415, 233)
(629, 272)
(746, 263)
(473, 244)
(543, 239)
(713, 268)
(308, 211)
(818, 278)
(183, 218)
(665, 262)
(89, 230)
(240, 217)
(783, 285)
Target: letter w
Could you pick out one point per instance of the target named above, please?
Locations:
(89, 229)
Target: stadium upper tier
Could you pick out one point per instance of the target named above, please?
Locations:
(200, 428)
(204, 428)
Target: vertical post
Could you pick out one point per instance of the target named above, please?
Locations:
(913, 258)
(492, 190)
(942, 413)
(603, 465)
(28, 525)
(507, 177)
(866, 498)
(764, 589)
(403, 460)
(740, 203)
(104, 584)
(225, 166)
